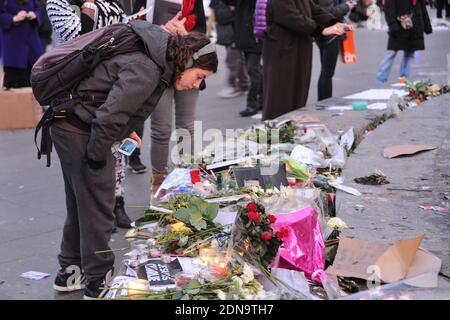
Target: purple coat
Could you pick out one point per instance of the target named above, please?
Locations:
(259, 22)
(21, 46)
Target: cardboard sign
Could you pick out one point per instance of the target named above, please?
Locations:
(19, 109)
(405, 149)
(159, 273)
(403, 260)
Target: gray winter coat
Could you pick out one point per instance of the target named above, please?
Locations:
(133, 84)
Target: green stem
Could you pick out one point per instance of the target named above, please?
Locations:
(112, 250)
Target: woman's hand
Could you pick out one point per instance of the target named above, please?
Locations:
(21, 16)
(136, 138)
(175, 25)
(31, 15)
(337, 29)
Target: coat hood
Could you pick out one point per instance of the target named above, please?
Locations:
(155, 40)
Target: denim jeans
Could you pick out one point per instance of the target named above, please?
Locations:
(388, 60)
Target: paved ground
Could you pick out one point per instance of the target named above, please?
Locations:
(32, 198)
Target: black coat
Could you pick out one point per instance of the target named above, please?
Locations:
(287, 53)
(224, 22)
(412, 39)
(243, 26)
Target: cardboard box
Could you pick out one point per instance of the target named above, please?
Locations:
(19, 109)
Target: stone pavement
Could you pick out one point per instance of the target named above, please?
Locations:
(32, 198)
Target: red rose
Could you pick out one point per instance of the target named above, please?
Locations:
(282, 233)
(252, 207)
(266, 236)
(272, 218)
(254, 216)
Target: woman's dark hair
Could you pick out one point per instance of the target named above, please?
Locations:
(181, 48)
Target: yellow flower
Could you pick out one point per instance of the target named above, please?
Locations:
(180, 227)
(336, 223)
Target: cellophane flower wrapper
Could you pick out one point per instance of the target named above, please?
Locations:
(303, 248)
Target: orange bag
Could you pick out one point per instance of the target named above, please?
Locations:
(348, 49)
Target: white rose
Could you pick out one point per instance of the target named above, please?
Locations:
(337, 224)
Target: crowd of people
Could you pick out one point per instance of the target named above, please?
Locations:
(269, 49)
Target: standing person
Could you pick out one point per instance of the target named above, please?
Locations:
(67, 25)
(184, 102)
(237, 80)
(132, 83)
(247, 43)
(408, 20)
(287, 53)
(45, 29)
(329, 46)
(21, 47)
(440, 5)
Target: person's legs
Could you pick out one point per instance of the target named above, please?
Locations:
(439, 7)
(121, 218)
(405, 64)
(329, 54)
(91, 192)
(134, 161)
(185, 105)
(237, 77)
(254, 95)
(161, 129)
(385, 66)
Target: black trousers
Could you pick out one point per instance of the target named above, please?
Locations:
(16, 77)
(254, 71)
(328, 58)
(440, 5)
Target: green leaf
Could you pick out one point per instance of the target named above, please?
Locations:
(194, 284)
(193, 291)
(196, 220)
(183, 214)
(177, 295)
(186, 297)
(211, 211)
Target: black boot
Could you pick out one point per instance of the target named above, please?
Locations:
(122, 219)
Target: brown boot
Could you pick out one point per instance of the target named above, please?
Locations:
(157, 180)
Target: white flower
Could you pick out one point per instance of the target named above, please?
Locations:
(248, 274)
(336, 224)
(220, 294)
(237, 281)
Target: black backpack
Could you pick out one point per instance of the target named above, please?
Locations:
(57, 73)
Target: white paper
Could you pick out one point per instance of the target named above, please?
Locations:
(376, 94)
(295, 279)
(225, 218)
(338, 185)
(118, 287)
(226, 199)
(377, 106)
(34, 275)
(178, 177)
(339, 108)
(303, 155)
(348, 138)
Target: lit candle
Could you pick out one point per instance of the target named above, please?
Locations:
(137, 288)
(218, 267)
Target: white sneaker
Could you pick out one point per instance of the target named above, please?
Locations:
(229, 92)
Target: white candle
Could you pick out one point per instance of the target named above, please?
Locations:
(137, 288)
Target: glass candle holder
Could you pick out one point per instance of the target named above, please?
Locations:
(218, 267)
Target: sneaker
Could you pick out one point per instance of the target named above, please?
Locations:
(135, 165)
(228, 93)
(98, 288)
(67, 281)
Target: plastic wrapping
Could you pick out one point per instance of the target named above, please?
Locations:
(303, 248)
